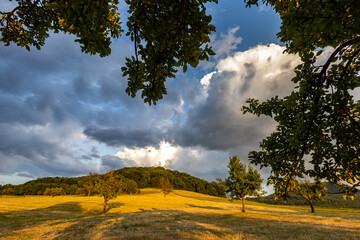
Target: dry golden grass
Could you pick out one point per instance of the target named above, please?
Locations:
(181, 215)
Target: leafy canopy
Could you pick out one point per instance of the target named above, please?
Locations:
(93, 24)
(109, 186)
(312, 191)
(166, 34)
(243, 180)
(90, 183)
(165, 185)
(308, 190)
(318, 131)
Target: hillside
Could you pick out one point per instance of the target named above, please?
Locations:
(181, 215)
(331, 200)
(145, 177)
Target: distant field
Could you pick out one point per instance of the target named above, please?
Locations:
(181, 215)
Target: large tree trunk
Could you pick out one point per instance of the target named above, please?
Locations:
(243, 203)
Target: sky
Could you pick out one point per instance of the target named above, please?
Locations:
(66, 113)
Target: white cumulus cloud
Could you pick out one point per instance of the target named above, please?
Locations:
(227, 43)
(148, 156)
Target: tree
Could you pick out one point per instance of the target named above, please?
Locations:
(318, 131)
(27, 189)
(57, 191)
(108, 186)
(220, 187)
(90, 183)
(72, 189)
(131, 187)
(166, 34)
(178, 183)
(166, 186)
(308, 190)
(242, 181)
(8, 191)
(29, 23)
(80, 191)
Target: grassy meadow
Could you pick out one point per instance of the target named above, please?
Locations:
(181, 215)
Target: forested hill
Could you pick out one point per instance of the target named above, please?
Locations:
(145, 177)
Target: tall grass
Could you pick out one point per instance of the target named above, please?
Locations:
(181, 215)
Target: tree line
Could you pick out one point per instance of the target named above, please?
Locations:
(134, 178)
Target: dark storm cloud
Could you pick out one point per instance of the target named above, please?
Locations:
(94, 154)
(36, 84)
(47, 97)
(25, 175)
(125, 137)
(199, 162)
(38, 152)
(63, 91)
(15, 110)
(113, 162)
(17, 141)
(86, 157)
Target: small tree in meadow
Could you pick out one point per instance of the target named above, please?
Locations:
(309, 190)
(131, 187)
(90, 183)
(108, 186)
(242, 181)
(165, 185)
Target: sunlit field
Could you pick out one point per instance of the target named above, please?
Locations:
(181, 215)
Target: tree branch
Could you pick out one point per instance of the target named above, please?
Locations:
(333, 55)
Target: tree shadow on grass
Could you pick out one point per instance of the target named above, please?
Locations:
(67, 212)
(176, 224)
(204, 207)
(70, 221)
(112, 205)
(202, 197)
(17, 220)
(334, 213)
(147, 191)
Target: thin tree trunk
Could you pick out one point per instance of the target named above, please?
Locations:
(312, 206)
(310, 203)
(105, 204)
(243, 203)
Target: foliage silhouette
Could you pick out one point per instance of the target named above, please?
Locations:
(318, 131)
